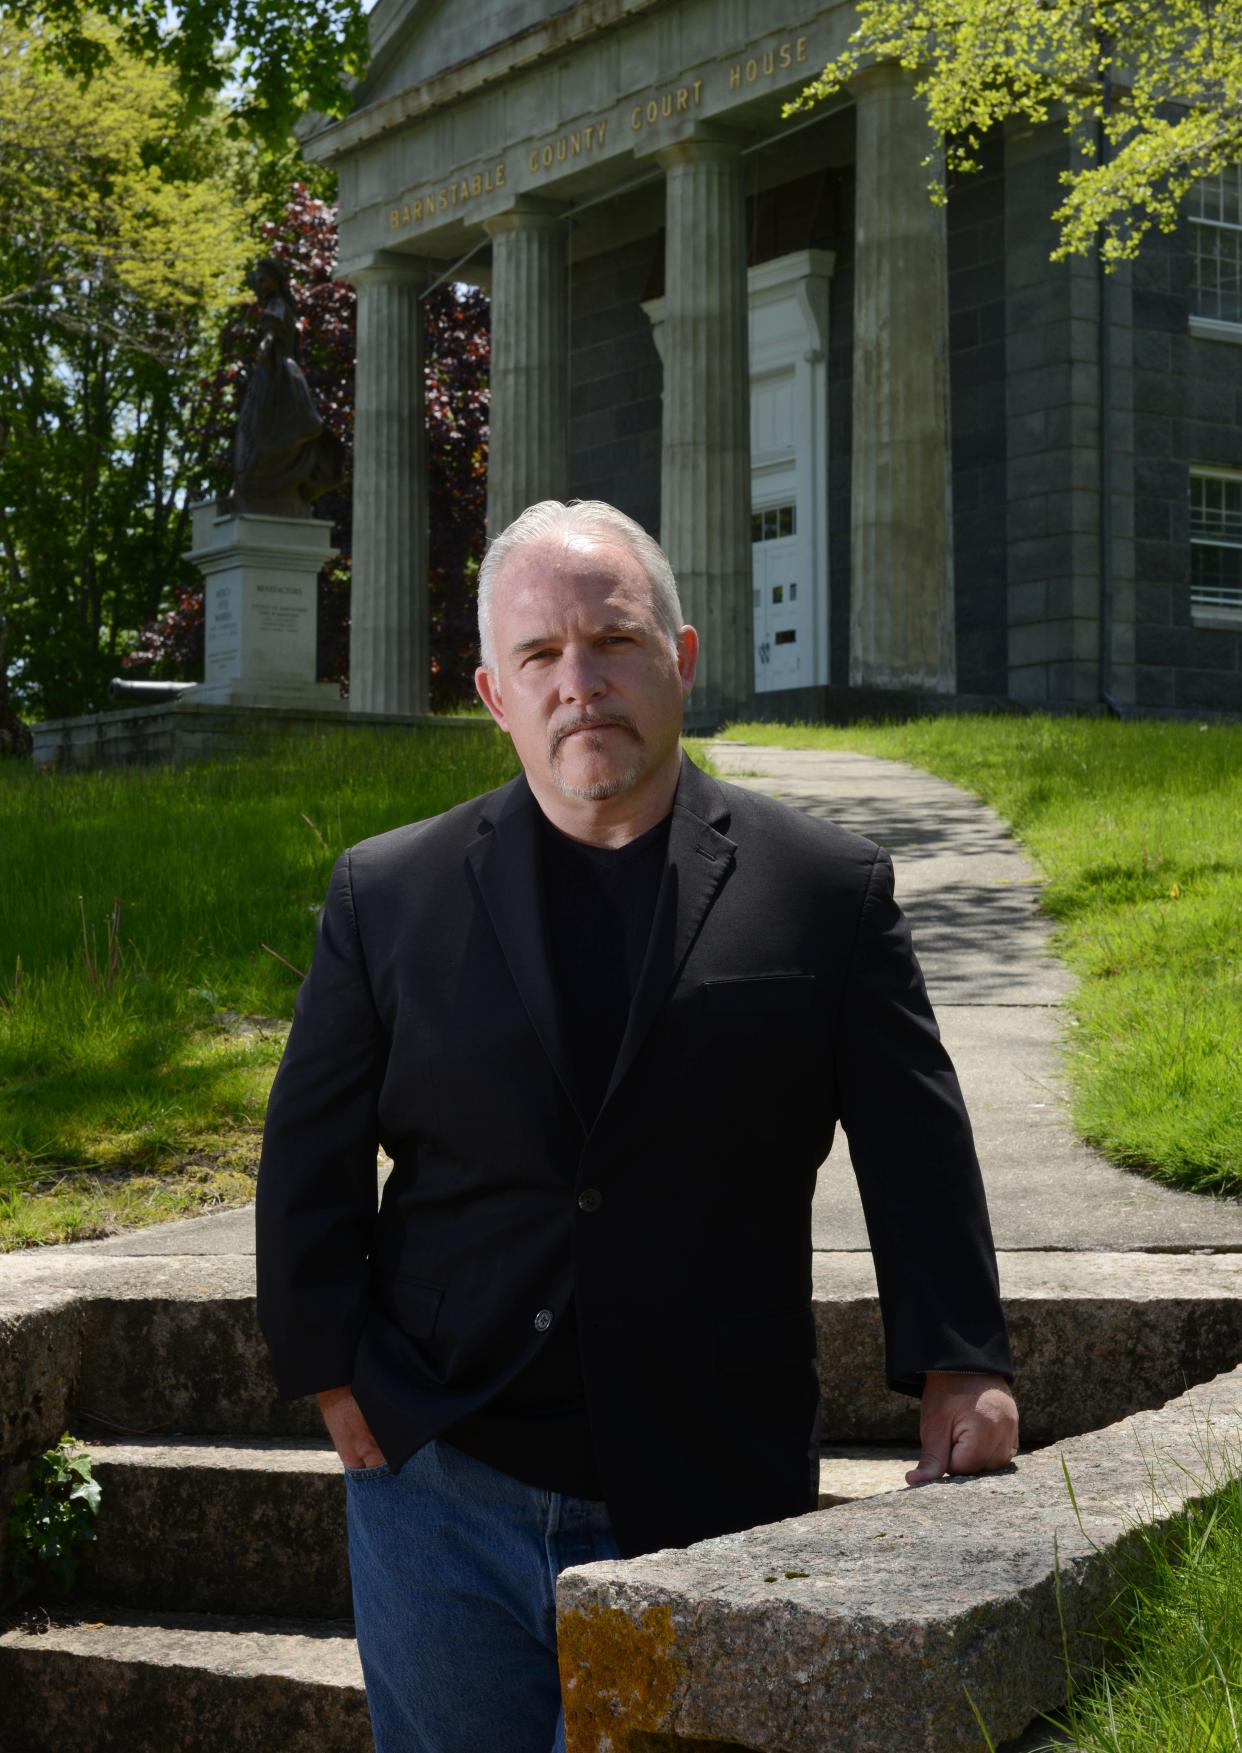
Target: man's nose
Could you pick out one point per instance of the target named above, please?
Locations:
(581, 677)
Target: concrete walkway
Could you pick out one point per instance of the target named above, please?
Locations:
(972, 898)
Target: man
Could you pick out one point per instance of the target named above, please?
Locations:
(604, 1021)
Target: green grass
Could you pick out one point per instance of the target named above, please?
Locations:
(1167, 1670)
(132, 1095)
(1138, 828)
(133, 1079)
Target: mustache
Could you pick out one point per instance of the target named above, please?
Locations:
(586, 722)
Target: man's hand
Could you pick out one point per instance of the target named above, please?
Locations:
(969, 1425)
(349, 1430)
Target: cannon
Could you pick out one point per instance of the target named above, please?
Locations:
(147, 693)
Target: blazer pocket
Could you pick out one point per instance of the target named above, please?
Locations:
(785, 1340)
(755, 994)
(415, 1304)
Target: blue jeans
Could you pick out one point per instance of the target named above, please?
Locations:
(454, 1570)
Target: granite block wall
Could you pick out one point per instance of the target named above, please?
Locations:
(1188, 410)
(975, 218)
(1052, 445)
(1177, 401)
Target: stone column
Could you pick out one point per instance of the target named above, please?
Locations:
(528, 447)
(389, 636)
(1053, 466)
(901, 532)
(705, 472)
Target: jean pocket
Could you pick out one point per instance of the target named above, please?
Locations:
(380, 1471)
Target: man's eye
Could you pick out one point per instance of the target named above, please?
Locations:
(618, 639)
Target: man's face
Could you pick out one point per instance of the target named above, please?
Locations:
(586, 681)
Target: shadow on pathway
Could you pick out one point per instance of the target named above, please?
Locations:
(972, 898)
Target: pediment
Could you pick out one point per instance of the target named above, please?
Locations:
(415, 40)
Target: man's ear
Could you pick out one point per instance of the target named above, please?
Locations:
(489, 694)
(687, 658)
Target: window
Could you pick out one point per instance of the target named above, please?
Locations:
(1215, 211)
(1215, 545)
(773, 523)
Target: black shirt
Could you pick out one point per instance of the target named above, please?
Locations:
(598, 905)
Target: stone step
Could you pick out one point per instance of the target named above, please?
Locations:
(162, 1344)
(171, 1344)
(257, 1525)
(1139, 1327)
(118, 1681)
(856, 1470)
(220, 1525)
(254, 1522)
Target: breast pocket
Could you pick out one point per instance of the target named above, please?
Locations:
(741, 995)
(760, 1039)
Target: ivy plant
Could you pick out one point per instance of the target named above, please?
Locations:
(54, 1517)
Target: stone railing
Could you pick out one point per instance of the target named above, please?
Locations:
(887, 1623)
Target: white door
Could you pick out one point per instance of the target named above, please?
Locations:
(788, 469)
(783, 656)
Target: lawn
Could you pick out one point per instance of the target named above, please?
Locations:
(1137, 827)
(1167, 1677)
(141, 1016)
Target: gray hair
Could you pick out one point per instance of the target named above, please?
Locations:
(551, 519)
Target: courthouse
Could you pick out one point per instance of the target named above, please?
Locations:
(894, 452)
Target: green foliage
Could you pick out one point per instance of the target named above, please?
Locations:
(1136, 827)
(1178, 1679)
(128, 1053)
(1165, 1668)
(122, 243)
(111, 197)
(53, 1518)
(277, 59)
(1177, 115)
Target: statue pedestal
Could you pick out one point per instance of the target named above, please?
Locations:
(259, 608)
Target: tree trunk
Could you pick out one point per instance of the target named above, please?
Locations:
(15, 737)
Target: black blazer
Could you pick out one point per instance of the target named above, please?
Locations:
(780, 993)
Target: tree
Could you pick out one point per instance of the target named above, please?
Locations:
(122, 240)
(457, 334)
(275, 60)
(1173, 68)
(457, 350)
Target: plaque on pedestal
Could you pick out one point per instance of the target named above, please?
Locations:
(260, 576)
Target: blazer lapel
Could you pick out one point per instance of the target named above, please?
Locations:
(505, 860)
(700, 857)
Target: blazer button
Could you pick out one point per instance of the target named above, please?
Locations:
(590, 1199)
(543, 1320)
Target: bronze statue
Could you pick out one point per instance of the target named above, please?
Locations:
(283, 455)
